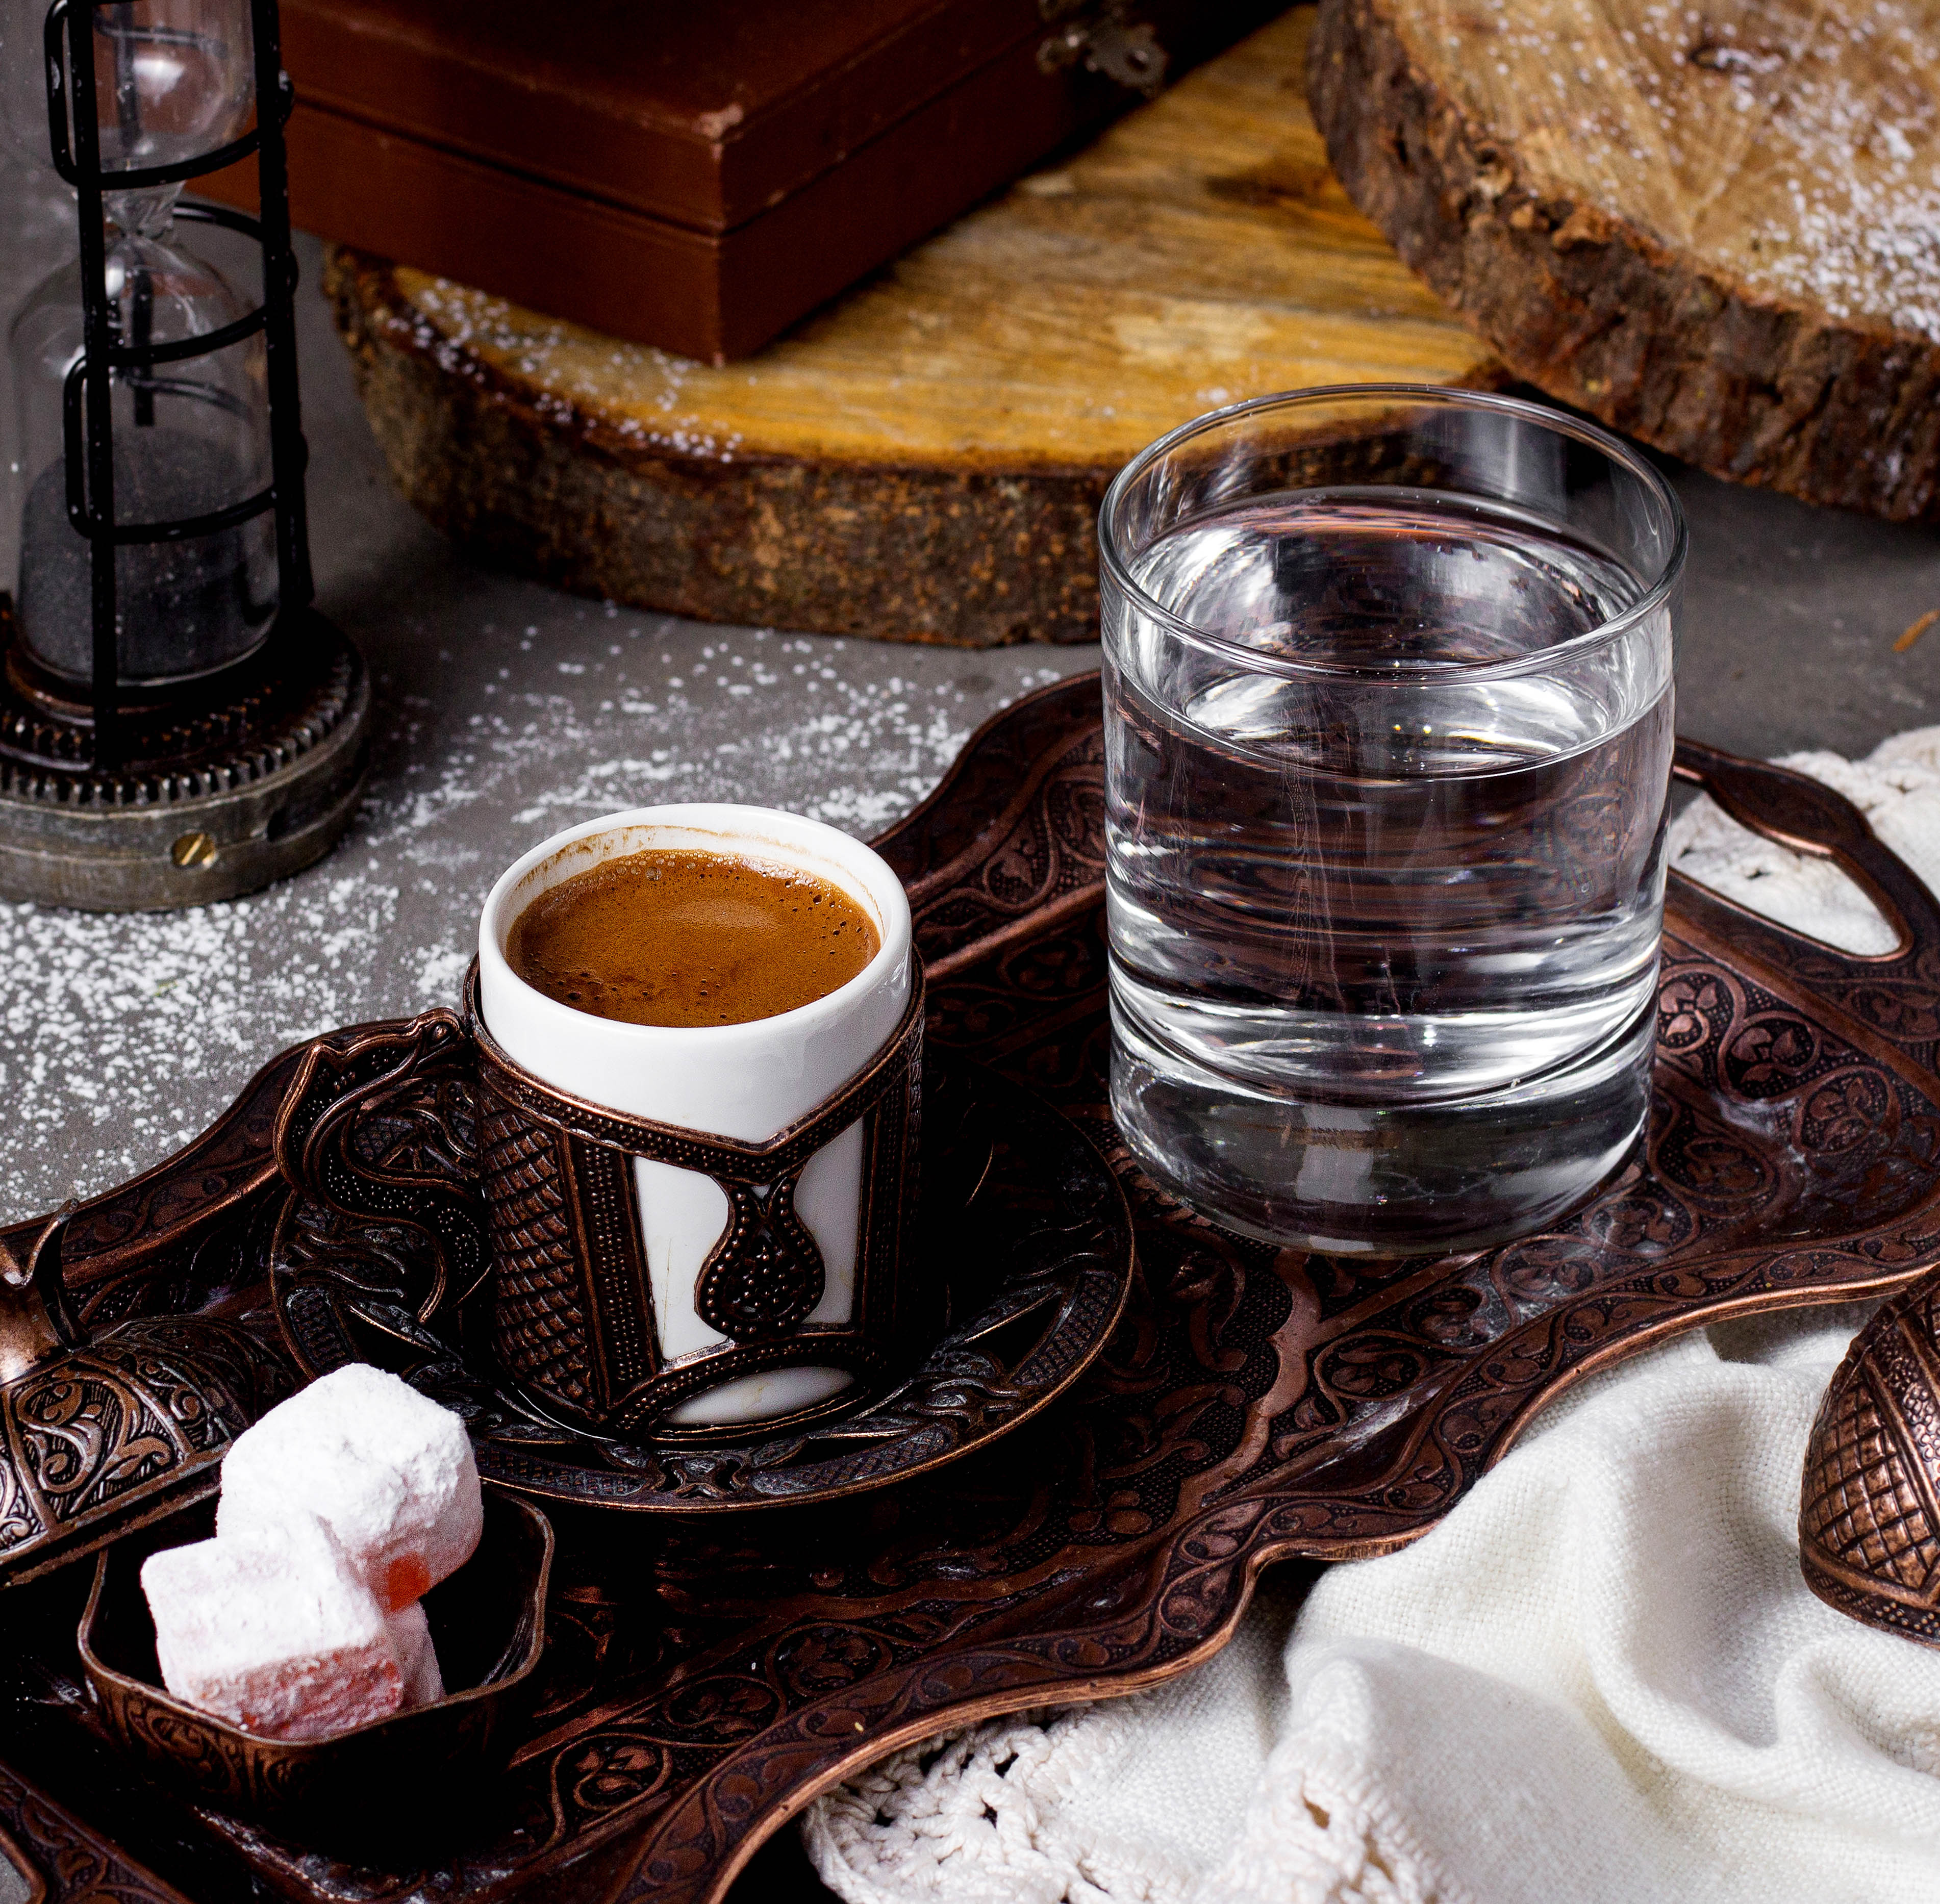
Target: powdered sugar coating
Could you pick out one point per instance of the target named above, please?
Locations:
(409, 1633)
(274, 1631)
(388, 1473)
(1793, 148)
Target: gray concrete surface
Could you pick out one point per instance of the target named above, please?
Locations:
(506, 710)
(1790, 619)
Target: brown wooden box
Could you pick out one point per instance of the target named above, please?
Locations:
(696, 177)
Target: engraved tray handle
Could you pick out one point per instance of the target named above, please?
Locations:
(1897, 993)
(1869, 1497)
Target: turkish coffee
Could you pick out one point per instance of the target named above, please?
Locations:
(679, 936)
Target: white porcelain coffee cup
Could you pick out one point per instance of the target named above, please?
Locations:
(746, 1082)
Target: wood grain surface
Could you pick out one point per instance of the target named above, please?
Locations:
(923, 459)
(1716, 228)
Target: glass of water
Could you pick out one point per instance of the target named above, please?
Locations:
(1388, 726)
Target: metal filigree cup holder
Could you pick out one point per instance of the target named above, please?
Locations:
(575, 1319)
(1017, 1261)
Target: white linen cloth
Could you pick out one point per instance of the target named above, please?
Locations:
(1600, 1678)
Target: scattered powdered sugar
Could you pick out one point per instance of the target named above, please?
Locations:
(1857, 140)
(1798, 147)
(121, 1036)
(459, 328)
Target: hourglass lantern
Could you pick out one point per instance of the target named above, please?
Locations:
(178, 724)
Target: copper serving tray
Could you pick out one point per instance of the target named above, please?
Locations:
(707, 1676)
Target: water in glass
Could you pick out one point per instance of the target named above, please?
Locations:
(1383, 923)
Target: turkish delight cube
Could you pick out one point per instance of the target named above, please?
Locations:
(388, 1471)
(274, 1632)
(417, 1657)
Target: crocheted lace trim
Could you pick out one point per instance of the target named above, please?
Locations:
(977, 1817)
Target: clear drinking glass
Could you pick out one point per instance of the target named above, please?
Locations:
(1388, 699)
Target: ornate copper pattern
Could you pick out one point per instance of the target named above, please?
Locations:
(764, 1276)
(377, 1124)
(63, 1861)
(574, 1312)
(1040, 860)
(616, 1262)
(1025, 1228)
(542, 1328)
(1869, 1510)
(123, 1431)
(1252, 1406)
(1895, 995)
(378, 1231)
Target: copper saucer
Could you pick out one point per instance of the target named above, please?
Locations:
(1022, 1218)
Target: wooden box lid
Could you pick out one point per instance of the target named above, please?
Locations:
(692, 177)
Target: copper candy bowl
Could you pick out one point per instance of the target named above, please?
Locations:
(487, 1622)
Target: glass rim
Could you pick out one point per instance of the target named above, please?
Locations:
(1562, 422)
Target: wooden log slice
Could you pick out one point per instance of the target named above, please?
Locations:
(1716, 228)
(924, 459)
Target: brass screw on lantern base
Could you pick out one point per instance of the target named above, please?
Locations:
(247, 780)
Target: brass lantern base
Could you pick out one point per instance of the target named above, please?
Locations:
(224, 786)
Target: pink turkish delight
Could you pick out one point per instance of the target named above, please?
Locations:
(389, 1473)
(276, 1633)
(417, 1657)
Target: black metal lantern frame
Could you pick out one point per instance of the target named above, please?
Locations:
(88, 396)
(146, 798)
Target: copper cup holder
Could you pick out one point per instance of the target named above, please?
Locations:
(574, 1324)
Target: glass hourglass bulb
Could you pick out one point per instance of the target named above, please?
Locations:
(173, 79)
(191, 437)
